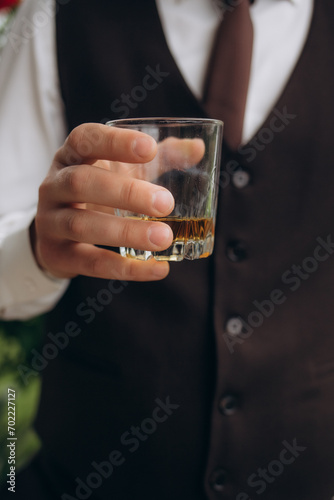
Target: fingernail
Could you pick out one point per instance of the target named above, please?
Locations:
(159, 234)
(163, 201)
(161, 269)
(143, 146)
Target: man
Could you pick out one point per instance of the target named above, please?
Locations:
(216, 381)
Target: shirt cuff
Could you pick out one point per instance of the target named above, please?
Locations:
(25, 290)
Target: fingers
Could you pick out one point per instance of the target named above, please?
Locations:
(93, 141)
(65, 233)
(97, 228)
(181, 153)
(90, 184)
(72, 259)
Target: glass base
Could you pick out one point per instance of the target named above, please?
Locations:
(178, 251)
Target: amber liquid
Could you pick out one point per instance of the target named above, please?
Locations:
(187, 229)
(193, 239)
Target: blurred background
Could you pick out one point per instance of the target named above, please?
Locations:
(17, 339)
(7, 13)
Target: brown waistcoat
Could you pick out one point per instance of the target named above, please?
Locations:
(218, 382)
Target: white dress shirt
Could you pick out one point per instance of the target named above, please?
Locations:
(33, 127)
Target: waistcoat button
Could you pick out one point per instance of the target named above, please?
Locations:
(234, 326)
(218, 480)
(240, 179)
(228, 405)
(235, 251)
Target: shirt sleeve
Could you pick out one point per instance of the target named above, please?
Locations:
(32, 128)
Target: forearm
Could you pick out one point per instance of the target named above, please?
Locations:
(25, 290)
(32, 127)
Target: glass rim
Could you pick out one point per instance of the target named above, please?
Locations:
(165, 121)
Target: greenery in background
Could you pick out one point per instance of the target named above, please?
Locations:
(7, 14)
(17, 339)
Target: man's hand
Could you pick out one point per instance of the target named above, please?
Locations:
(66, 228)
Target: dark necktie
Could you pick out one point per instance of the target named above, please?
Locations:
(227, 81)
